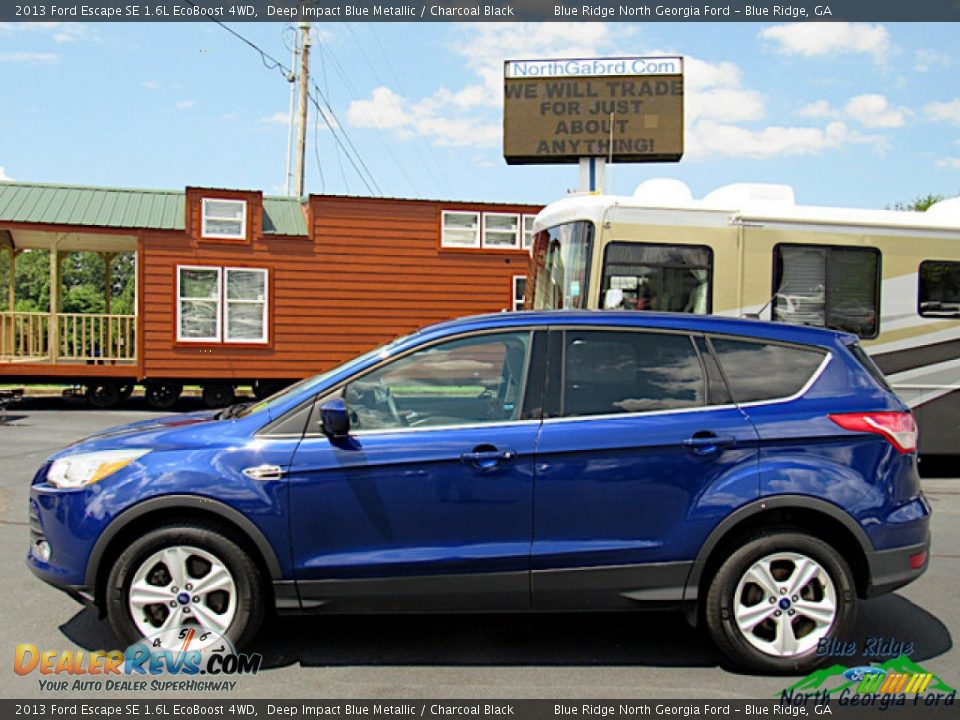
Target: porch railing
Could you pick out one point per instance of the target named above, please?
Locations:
(78, 337)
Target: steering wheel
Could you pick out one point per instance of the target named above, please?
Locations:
(385, 398)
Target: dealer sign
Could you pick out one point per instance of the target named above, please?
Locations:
(627, 109)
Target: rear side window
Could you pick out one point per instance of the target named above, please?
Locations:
(611, 372)
(765, 371)
(869, 365)
(939, 289)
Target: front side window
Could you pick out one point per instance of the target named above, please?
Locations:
(221, 304)
(561, 266)
(225, 218)
(469, 381)
(834, 287)
(939, 289)
(610, 372)
(648, 276)
(758, 371)
(460, 229)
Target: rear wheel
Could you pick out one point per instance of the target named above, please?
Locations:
(776, 597)
(185, 576)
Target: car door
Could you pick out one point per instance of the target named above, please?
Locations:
(427, 503)
(643, 454)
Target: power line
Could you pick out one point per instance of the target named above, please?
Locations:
(271, 63)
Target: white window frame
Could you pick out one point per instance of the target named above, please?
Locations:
(524, 232)
(517, 235)
(226, 236)
(513, 296)
(443, 229)
(265, 338)
(219, 298)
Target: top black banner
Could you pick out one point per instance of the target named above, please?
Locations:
(492, 11)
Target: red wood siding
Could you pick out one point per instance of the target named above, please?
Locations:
(372, 270)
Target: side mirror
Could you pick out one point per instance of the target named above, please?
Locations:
(334, 419)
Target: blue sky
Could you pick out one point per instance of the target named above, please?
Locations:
(848, 114)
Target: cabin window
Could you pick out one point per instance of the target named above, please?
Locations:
(245, 319)
(225, 219)
(519, 289)
(460, 229)
(198, 304)
(222, 304)
(825, 286)
(648, 276)
(939, 289)
(528, 231)
(501, 230)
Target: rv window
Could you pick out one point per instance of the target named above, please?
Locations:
(198, 304)
(939, 294)
(647, 276)
(561, 265)
(221, 304)
(246, 305)
(460, 229)
(224, 218)
(835, 287)
(528, 231)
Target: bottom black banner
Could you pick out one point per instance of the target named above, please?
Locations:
(886, 705)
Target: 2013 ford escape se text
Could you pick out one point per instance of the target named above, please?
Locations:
(760, 477)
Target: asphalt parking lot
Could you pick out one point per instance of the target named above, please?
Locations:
(448, 656)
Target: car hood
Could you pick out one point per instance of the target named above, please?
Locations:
(155, 433)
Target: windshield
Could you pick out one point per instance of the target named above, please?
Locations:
(561, 265)
(315, 380)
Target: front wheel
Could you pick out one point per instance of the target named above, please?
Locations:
(185, 576)
(776, 597)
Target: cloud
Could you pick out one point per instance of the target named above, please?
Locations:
(944, 111)
(874, 111)
(719, 140)
(186, 104)
(278, 118)
(833, 38)
(818, 109)
(926, 60)
(948, 162)
(470, 115)
(151, 84)
(43, 58)
(3, 175)
(59, 32)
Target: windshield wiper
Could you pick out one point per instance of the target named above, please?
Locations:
(232, 411)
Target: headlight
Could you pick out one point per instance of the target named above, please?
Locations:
(87, 468)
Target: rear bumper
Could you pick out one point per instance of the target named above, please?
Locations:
(891, 569)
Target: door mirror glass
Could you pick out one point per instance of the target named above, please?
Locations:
(334, 419)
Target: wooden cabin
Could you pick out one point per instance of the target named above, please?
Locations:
(237, 288)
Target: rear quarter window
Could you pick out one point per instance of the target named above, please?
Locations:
(757, 370)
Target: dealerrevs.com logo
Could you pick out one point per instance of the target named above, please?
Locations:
(182, 652)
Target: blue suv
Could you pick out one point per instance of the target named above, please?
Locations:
(760, 477)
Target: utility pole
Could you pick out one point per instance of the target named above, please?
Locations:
(291, 121)
(302, 108)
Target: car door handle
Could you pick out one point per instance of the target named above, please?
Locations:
(708, 443)
(486, 459)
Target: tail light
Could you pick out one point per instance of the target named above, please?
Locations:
(898, 428)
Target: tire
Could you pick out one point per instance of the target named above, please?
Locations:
(103, 395)
(801, 574)
(234, 608)
(163, 396)
(218, 395)
(126, 390)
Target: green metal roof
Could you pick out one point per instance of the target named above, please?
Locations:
(125, 208)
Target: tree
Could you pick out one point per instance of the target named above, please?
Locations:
(920, 204)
